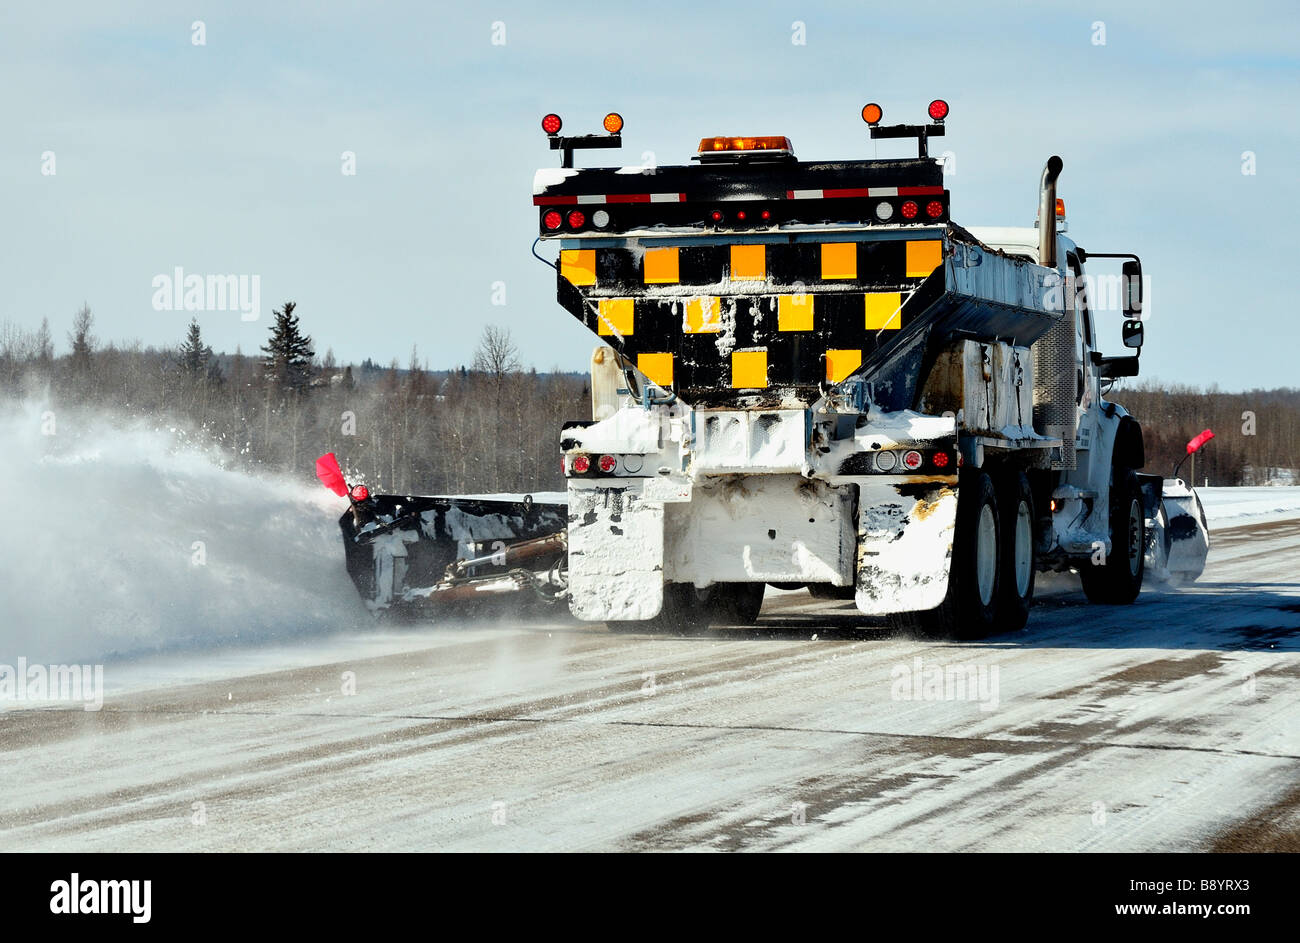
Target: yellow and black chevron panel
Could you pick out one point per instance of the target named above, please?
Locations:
(721, 320)
(618, 270)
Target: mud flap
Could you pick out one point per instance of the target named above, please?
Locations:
(905, 533)
(616, 552)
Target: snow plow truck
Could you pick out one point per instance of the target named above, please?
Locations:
(808, 376)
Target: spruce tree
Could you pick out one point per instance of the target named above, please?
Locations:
(287, 363)
(195, 356)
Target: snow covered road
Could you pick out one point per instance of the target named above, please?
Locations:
(1171, 725)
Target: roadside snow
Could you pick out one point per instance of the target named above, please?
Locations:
(1231, 506)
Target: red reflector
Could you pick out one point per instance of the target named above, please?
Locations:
(581, 464)
(552, 219)
(716, 216)
(940, 459)
(607, 463)
(908, 210)
(551, 124)
(938, 109)
(912, 460)
(934, 209)
(360, 493)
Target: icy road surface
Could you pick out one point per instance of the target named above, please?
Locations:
(1170, 725)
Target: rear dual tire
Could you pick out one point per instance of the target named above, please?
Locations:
(991, 575)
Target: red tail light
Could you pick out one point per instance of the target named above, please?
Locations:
(940, 459)
(909, 210)
(360, 493)
(552, 219)
(581, 465)
(607, 463)
(577, 219)
(551, 124)
(934, 209)
(912, 460)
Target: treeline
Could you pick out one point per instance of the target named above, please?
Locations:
(1257, 433)
(489, 426)
(492, 425)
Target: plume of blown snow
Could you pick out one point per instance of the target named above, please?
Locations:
(119, 538)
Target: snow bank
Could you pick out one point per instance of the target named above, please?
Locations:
(1230, 506)
(123, 539)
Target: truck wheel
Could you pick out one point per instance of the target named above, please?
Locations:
(1019, 560)
(1119, 580)
(733, 603)
(682, 612)
(970, 608)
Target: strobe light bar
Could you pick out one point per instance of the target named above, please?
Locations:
(726, 149)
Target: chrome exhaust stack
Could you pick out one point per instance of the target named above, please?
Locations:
(1056, 370)
(1047, 212)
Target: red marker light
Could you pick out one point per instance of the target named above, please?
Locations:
(934, 209)
(552, 219)
(607, 463)
(766, 214)
(909, 210)
(912, 460)
(716, 216)
(938, 109)
(360, 493)
(581, 465)
(577, 218)
(740, 215)
(551, 124)
(940, 459)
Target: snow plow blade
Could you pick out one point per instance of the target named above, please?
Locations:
(420, 554)
(428, 555)
(1178, 534)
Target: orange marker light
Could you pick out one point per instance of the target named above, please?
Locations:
(1060, 208)
(613, 122)
(871, 113)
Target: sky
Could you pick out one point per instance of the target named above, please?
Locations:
(226, 157)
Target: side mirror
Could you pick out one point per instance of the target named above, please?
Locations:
(1132, 294)
(1133, 333)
